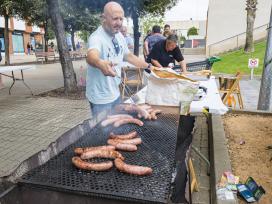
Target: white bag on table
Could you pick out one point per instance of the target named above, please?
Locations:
(169, 91)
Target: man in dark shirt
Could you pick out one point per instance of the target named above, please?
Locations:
(167, 52)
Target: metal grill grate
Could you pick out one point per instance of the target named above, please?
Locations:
(196, 66)
(157, 151)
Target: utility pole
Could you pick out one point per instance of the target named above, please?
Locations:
(266, 85)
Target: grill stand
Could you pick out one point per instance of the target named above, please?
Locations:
(184, 140)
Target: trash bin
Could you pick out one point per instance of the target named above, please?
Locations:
(214, 59)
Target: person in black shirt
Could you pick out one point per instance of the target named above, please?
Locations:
(166, 52)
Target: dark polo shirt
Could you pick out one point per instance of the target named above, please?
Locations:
(163, 57)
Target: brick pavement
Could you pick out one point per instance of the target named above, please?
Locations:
(250, 93)
(29, 125)
(200, 141)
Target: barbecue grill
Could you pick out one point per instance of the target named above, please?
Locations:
(157, 151)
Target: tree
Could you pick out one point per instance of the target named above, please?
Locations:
(149, 20)
(192, 31)
(70, 83)
(10, 8)
(266, 83)
(78, 19)
(251, 15)
(84, 35)
(39, 16)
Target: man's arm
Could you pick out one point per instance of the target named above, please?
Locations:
(136, 61)
(183, 66)
(94, 60)
(146, 47)
(156, 63)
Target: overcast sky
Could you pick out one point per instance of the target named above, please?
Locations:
(186, 9)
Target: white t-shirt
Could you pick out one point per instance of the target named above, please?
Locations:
(101, 89)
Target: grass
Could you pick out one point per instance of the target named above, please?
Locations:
(232, 62)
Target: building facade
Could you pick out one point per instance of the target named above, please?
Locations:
(182, 27)
(226, 24)
(19, 35)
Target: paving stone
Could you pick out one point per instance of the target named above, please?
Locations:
(200, 141)
(201, 197)
(30, 125)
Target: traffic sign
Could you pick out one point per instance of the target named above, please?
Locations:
(253, 63)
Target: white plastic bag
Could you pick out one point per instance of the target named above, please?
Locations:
(169, 91)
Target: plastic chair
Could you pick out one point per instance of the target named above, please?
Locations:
(229, 86)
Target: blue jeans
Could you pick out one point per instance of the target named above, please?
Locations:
(97, 108)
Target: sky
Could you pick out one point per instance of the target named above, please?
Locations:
(187, 9)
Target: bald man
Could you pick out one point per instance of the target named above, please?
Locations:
(107, 50)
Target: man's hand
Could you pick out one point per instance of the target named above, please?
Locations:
(107, 68)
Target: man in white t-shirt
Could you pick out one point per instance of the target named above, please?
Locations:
(107, 51)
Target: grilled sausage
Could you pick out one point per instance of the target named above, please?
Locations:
(92, 166)
(123, 146)
(112, 154)
(80, 150)
(144, 106)
(134, 141)
(133, 108)
(129, 135)
(120, 115)
(132, 169)
(111, 120)
(128, 120)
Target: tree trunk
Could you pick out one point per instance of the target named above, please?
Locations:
(73, 40)
(135, 18)
(70, 83)
(6, 39)
(266, 82)
(46, 38)
(251, 14)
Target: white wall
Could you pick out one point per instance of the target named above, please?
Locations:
(2, 22)
(183, 26)
(36, 29)
(228, 18)
(19, 24)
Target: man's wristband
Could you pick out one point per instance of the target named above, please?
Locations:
(149, 66)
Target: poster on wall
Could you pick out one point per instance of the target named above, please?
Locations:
(3, 42)
(18, 42)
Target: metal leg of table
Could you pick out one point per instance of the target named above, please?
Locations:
(13, 78)
(25, 83)
(202, 157)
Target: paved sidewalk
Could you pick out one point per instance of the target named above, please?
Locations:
(27, 59)
(44, 78)
(29, 125)
(200, 141)
(250, 93)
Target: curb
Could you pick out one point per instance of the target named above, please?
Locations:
(219, 157)
(250, 112)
